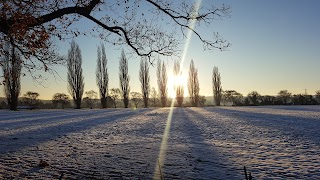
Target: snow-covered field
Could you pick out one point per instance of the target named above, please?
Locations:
(273, 142)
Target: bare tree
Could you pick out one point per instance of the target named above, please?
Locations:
(115, 95)
(178, 86)
(91, 96)
(124, 79)
(216, 85)
(317, 96)
(75, 77)
(31, 98)
(232, 96)
(102, 76)
(202, 100)
(11, 66)
(254, 97)
(162, 82)
(31, 23)
(284, 96)
(60, 98)
(154, 96)
(265, 100)
(136, 98)
(193, 85)
(144, 77)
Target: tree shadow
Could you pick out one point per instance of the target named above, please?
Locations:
(38, 117)
(29, 137)
(276, 146)
(190, 155)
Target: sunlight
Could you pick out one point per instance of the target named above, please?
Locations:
(171, 82)
(174, 81)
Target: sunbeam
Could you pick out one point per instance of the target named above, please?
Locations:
(164, 142)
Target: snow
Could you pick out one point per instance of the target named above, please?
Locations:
(273, 142)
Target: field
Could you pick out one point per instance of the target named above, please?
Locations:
(276, 142)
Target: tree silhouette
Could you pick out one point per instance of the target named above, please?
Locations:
(91, 96)
(284, 96)
(154, 96)
(75, 77)
(115, 95)
(162, 82)
(144, 77)
(31, 24)
(202, 100)
(31, 98)
(216, 85)
(317, 96)
(266, 100)
(3, 105)
(303, 99)
(60, 98)
(136, 98)
(102, 77)
(178, 86)
(254, 97)
(11, 66)
(232, 96)
(124, 79)
(193, 85)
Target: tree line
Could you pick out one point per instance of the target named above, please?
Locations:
(75, 79)
(284, 97)
(110, 97)
(234, 98)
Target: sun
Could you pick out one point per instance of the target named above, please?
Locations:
(175, 81)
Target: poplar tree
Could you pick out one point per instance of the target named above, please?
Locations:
(193, 85)
(144, 77)
(75, 76)
(216, 85)
(102, 77)
(162, 82)
(124, 79)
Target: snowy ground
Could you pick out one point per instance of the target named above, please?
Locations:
(275, 142)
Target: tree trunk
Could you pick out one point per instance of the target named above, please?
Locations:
(103, 102)
(13, 103)
(164, 101)
(126, 102)
(114, 103)
(13, 100)
(196, 100)
(179, 101)
(78, 103)
(217, 101)
(145, 100)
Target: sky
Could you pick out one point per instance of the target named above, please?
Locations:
(275, 46)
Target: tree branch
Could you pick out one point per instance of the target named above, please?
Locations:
(85, 10)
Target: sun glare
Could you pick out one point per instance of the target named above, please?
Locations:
(174, 81)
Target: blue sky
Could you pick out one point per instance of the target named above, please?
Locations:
(275, 46)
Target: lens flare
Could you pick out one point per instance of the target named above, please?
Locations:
(164, 143)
